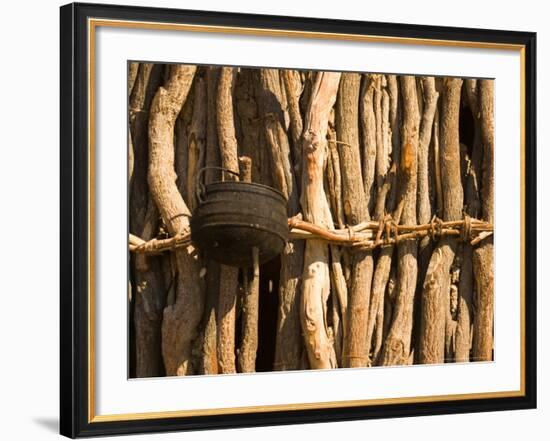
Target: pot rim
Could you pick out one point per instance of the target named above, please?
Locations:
(246, 184)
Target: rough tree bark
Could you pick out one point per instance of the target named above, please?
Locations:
(149, 290)
(196, 140)
(383, 265)
(271, 111)
(379, 316)
(179, 326)
(428, 96)
(424, 206)
(431, 347)
(209, 358)
(293, 87)
(397, 345)
(465, 313)
(472, 94)
(463, 335)
(251, 127)
(368, 138)
(229, 276)
(150, 301)
(148, 79)
(356, 210)
(132, 73)
(316, 280)
(249, 335)
(181, 135)
(471, 175)
(483, 255)
(338, 282)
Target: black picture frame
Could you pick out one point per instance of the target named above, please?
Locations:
(74, 192)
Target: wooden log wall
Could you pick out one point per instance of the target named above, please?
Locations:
(344, 149)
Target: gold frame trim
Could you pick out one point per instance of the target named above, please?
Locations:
(92, 25)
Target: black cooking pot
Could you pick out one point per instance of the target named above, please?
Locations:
(233, 217)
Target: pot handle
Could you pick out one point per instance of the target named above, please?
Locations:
(200, 188)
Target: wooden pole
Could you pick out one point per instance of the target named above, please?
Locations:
(316, 278)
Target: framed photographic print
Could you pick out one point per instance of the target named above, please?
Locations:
(272, 220)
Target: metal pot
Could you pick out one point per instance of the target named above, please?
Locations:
(233, 217)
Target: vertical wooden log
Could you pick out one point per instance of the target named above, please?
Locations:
(181, 135)
(249, 344)
(424, 207)
(251, 125)
(209, 356)
(368, 138)
(293, 87)
(288, 345)
(465, 313)
(149, 290)
(397, 346)
(229, 276)
(132, 74)
(249, 336)
(451, 302)
(197, 140)
(383, 264)
(334, 177)
(229, 283)
(382, 152)
(379, 311)
(395, 125)
(150, 301)
(472, 93)
(430, 98)
(434, 306)
(356, 210)
(271, 111)
(225, 122)
(338, 284)
(208, 364)
(482, 348)
(148, 79)
(437, 166)
(179, 327)
(316, 280)
(212, 157)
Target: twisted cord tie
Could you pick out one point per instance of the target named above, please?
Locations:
(466, 230)
(436, 228)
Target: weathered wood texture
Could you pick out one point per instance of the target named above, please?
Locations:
(373, 166)
(229, 276)
(397, 345)
(355, 203)
(431, 347)
(288, 345)
(180, 321)
(483, 255)
(316, 278)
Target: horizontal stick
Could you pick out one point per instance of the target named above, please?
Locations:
(365, 235)
(156, 246)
